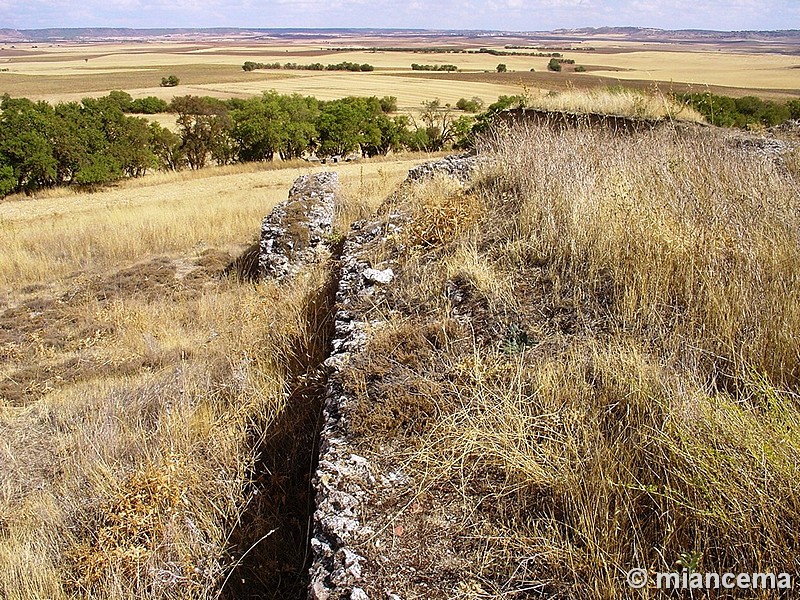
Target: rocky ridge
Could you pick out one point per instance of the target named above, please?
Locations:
(292, 235)
(297, 230)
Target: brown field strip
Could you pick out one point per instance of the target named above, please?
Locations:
(55, 86)
(567, 80)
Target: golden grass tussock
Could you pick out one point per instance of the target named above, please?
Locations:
(622, 101)
(601, 372)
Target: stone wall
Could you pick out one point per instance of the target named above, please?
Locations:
(297, 230)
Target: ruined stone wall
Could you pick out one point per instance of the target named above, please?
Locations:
(296, 233)
(297, 230)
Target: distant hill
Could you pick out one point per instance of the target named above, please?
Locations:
(647, 34)
(629, 33)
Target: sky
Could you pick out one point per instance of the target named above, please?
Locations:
(507, 15)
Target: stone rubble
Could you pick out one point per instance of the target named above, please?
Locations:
(460, 167)
(343, 481)
(295, 233)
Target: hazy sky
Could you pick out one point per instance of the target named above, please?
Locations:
(518, 15)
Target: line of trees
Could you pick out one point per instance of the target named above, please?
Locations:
(418, 67)
(742, 112)
(97, 141)
(342, 66)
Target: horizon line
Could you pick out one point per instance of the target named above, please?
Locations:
(411, 29)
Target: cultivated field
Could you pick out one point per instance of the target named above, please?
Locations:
(70, 71)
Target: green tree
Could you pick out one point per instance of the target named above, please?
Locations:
(259, 127)
(121, 99)
(8, 181)
(100, 169)
(437, 120)
(148, 106)
(200, 122)
(27, 132)
(554, 65)
(130, 147)
(463, 136)
(502, 68)
(343, 126)
(170, 81)
(167, 148)
(301, 113)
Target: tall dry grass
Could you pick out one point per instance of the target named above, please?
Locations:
(602, 372)
(142, 394)
(130, 480)
(684, 238)
(630, 102)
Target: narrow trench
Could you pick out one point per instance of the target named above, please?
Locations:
(275, 565)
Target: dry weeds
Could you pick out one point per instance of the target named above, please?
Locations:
(601, 373)
(156, 418)
(623, 101)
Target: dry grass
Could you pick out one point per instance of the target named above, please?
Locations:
(623, 101)
(156, 418)
(127, 476)
(62, 231)
(601, 373)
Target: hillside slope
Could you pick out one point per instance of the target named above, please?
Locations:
(586, 362)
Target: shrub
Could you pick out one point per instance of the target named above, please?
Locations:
(473, 105)
(148, 106)
(388, 104)
(742, 112)
(794, 108)
(418, 67)
(170, 81)
(502, 68)
(554, 65)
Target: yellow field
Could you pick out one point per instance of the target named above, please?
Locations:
(707, 68)
(72, 71)
(410, 91)
(172, 212)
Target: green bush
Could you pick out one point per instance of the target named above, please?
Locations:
(747, 111)
(448, 68)
(148, 106)
(473, 105)
(794, 108)
(554, 65)
(170, 81)
(388, 104)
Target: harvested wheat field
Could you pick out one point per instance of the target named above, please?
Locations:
(208, 66)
